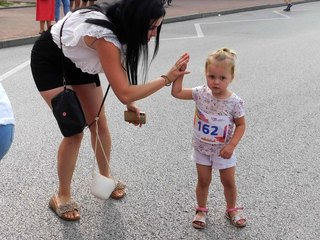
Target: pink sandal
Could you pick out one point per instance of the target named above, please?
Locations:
(236, 218)
(199, 221)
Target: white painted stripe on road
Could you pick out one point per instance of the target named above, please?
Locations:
(198, 30)
(281, 14)
(14, 70)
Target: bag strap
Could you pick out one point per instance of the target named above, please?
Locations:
(97, 117)
(95, 121)
(64, 76)
(98, 140)
(62, 56)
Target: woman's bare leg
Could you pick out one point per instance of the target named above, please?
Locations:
(67, 158)
(91, 108)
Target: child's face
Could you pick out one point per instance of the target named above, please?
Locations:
(219, 77)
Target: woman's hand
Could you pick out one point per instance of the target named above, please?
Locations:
(179, 68)
(133, 108)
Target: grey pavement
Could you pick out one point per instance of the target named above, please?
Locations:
(18, 25)
(278, 176)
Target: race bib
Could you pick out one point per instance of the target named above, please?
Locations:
(209, 128)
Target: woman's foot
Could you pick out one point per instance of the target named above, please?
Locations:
(119, 191)
(68, 211)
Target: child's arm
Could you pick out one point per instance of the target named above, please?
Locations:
(178, 92)
(227, 151)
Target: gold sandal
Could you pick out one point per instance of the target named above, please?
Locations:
(62, 209)
(119, 191)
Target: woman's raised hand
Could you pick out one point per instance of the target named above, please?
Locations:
(179, 68)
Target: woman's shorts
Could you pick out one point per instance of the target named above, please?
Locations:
(215, 162)
(46, 66)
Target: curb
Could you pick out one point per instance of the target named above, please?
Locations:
(18, 42)
(26, 6)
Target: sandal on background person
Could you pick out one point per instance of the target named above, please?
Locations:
(199, 220)
(237, 220)
(63, 209)
(119, 191)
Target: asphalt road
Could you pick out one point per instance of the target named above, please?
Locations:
(278, 159)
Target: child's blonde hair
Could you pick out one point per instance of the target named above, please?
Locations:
(223, 54)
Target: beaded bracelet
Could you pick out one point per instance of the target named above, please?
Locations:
(167, 80)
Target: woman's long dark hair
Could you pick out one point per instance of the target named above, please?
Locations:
(130, 22)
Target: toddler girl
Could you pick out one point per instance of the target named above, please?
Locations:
(219, 124)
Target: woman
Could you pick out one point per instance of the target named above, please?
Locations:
(91, 47)
(44, 13)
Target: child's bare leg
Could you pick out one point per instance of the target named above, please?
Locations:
(204, 180)
(228, 181)
(227, 177)
(202, 190)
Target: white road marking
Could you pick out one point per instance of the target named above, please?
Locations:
(14, 70)
(281, 14)
(198, 30)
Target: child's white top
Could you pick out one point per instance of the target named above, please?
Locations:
(73, 43)
(6, 114)
(231, 107)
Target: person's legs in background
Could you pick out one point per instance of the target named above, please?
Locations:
(71, 4)
(76, 4)
(84, 3)
(57, 10)
(289, 5)
(66, 6)
(42, 23)
(48, 24)
(91, 2)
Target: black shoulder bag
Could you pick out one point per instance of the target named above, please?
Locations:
(66, 106)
